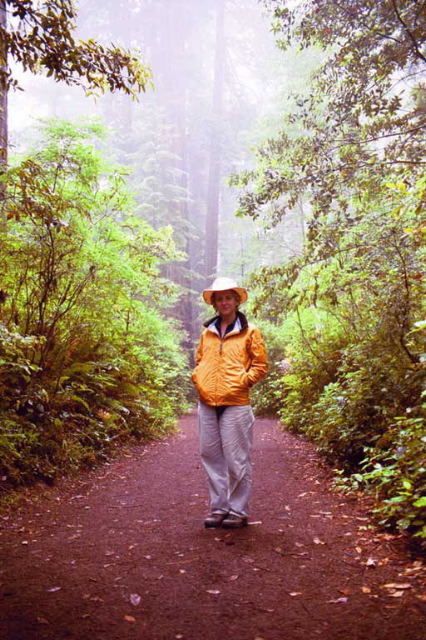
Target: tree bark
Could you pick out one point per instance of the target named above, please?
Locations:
(4, 134)
(215, 152)
(175, 94)
(3, 92)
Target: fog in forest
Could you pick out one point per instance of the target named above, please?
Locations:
(219, 83)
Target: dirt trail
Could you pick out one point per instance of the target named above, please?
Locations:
(122, 554)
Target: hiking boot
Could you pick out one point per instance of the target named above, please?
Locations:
(214, 520)
(234, 522)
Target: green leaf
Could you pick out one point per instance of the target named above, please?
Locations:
(421, 502)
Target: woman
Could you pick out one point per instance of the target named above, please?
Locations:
(231, 358)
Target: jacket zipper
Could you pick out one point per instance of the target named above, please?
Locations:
(222, 339)
(220, 354)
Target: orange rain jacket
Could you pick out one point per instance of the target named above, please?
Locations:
(227, 367)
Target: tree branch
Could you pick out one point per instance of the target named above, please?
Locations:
(409, 33)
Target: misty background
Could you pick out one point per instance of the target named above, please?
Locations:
(220, 86)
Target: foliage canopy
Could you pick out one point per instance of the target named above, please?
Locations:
(364, 116)
(39, 35)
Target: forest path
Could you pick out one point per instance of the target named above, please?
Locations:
(309, 566)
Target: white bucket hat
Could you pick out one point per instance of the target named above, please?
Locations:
(224, 284)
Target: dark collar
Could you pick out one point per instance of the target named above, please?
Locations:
(240, 315)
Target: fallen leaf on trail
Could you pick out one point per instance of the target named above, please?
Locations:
(182, 571)
(215, 592)
(135, 599)
(129, 619)
(371, 562)
(346, 592)
(287, 507)
(278, 550)
(299, 544)
(397, 594)
(302, 495)
(338, 601)
(358, 549)
(366, 589)
(132, 546)
(232, 578)
(318, 541)
(54, 589)
(396, 585)
(414, 569)
(42, 620)
(385, 536)
(109, 553)
(295, 593)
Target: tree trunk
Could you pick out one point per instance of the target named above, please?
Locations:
(175, 98)
(3, 92)
(4, 134)
(215, 152)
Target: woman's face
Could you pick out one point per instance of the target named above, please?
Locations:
(225, 303)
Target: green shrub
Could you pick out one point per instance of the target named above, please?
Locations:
(349, 316)
(87, 358)
(396, 473)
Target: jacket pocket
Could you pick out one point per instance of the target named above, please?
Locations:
(240, 379)
(195, 377)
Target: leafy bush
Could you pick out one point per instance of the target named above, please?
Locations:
(266, 396)
(351, 327)
(87, 360)
(396, 472)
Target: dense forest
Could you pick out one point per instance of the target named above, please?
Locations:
(280, 143)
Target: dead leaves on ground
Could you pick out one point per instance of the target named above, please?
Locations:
(135, 599)
(396, 590)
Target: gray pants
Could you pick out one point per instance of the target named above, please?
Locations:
(226, 445)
